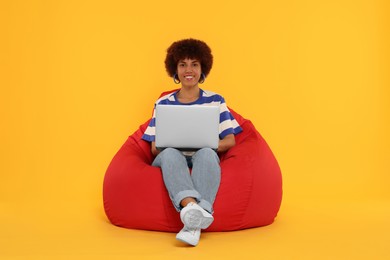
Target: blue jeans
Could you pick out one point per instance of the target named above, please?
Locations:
(203, 182)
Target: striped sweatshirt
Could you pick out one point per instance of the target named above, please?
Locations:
(227, 123)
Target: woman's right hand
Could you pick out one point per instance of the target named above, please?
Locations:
(155, 151)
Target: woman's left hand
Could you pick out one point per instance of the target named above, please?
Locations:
(226, 143)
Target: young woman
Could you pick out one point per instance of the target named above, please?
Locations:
(189, 61)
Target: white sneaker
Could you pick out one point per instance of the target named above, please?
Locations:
(194, 216)
(189, 236)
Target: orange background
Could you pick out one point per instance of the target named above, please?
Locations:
(78, 77)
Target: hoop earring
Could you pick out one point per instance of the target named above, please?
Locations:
(175, 79)
(202, 78)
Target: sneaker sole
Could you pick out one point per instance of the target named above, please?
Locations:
(195, 219)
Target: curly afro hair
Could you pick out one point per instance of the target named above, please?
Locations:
(188, 49)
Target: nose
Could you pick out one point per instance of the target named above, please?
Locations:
(188, 69)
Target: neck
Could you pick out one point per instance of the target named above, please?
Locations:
(188, 95)
(189, 91)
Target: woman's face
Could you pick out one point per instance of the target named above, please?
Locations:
(189, 72)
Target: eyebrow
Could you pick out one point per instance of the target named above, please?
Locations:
(195, 61)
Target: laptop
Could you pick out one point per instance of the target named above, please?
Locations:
(187, 127)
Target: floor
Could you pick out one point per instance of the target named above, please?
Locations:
(303, 230)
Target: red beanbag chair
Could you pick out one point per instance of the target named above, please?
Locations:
(249, 195)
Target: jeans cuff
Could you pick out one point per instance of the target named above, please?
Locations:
(206, 206)
(185, 194)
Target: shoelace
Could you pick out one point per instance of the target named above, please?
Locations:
(191, 231)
